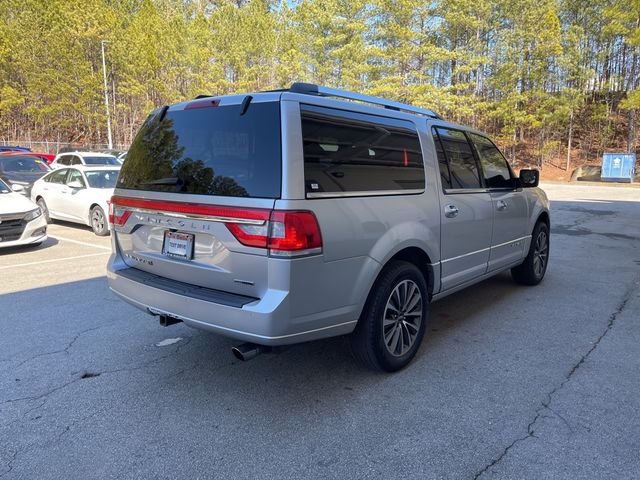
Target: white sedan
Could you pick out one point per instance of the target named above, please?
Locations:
(78, 194)
(21, 220)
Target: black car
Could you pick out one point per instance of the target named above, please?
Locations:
(22, 170)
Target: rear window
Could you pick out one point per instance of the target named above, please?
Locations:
(101, 178)
(101, 160)
(23, 164)
(209, 151)
(348, 153)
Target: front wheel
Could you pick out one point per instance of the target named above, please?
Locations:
(43, 208)
(392, 324)
(532, 270)
(99, 222)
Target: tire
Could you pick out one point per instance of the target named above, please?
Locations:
(45, 211)
(532, 270)
(384, 340)
(99, 221)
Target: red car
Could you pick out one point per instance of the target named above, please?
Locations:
(47, 157)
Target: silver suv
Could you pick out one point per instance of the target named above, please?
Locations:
(287, 216)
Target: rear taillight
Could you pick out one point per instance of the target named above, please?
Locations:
(286, 233)
(294, 233)
(118, 215)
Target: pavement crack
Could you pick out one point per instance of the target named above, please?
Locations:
(83, 375)
(500, 457)
(62, 350)
(545, 404)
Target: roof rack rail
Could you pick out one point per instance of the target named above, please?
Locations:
(313, 89)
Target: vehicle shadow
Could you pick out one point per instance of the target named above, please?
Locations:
(76, 226)
(8, 251)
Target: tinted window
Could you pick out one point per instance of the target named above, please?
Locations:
(102, 178)
(445, 176)
(462, 163)
(76, 160)
(100, 160)
(494, 166)
(214, 150)
(351, 152)
(75, 176)
(58, 176)
(19, 163)
(66, 160)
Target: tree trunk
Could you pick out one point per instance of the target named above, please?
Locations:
(569, 142)
(631, 134)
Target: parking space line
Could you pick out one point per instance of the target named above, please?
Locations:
(53, 260)
(64, 239)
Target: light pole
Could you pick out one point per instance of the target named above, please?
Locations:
(106, 95)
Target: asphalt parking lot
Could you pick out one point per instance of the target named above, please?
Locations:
(510, 381)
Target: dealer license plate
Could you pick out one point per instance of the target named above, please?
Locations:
(178, 245)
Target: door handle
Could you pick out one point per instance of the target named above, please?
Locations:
(451, 211)
(501, 205)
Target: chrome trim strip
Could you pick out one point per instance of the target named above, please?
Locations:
(367, 193)
(211, 218)
(455, 191)
(14, 216)
(511, 241)
(488, 248)
(465, 255)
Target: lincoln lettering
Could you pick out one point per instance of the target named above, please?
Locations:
(173, 222)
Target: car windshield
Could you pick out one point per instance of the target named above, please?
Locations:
(21, 163)
(101, 160)
(102, 178)
(4, 188)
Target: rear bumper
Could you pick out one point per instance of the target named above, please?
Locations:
(265, 321)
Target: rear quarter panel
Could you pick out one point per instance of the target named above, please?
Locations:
(360, 234)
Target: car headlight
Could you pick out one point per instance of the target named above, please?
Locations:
(33, 214)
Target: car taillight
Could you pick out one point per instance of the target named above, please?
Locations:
(118, 215)
(287, 234)
(294, 233)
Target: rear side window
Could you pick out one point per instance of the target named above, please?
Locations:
(445, 175)
(494, 166)
(348, 152)
(463, 168)
(66, 160)
(211, 151)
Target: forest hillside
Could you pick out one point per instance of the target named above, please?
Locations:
(556, 82)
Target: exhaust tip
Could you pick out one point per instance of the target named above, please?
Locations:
(247, 351)
(237, 353)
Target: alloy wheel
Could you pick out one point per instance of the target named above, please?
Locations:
(97, 220)
(402, 317)
(540, 253)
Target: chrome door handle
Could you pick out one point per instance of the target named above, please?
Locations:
(451, 211)
(501, 205)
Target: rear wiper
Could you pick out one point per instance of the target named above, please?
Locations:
(163, 181)
(245, 104)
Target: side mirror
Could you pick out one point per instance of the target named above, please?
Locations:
(75, 184)
(16, 187)
(529, 178)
